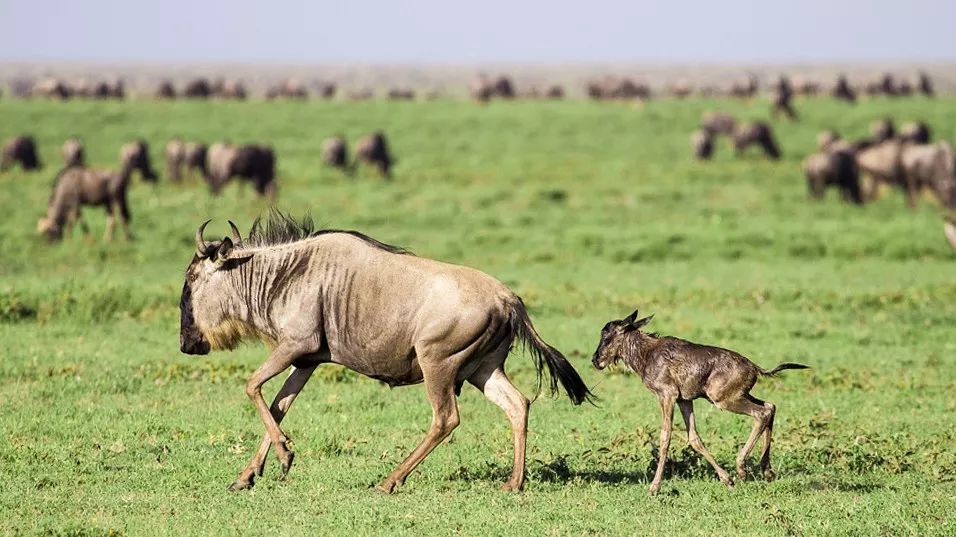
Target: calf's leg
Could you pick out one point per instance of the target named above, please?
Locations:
(667, 418)
(687, 411)
(749, 405)
(767, 434)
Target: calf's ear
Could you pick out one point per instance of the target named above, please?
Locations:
(630, 318)
(643, 321)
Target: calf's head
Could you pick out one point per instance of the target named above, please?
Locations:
(613, 337)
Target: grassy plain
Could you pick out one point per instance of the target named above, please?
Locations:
(587, 210)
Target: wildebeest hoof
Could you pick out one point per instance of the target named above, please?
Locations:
(286, 462)
(655, 487)
(241, 484)
(741, 473)
(510, 486)
(388, 486)
(728, 481)
(769, 475)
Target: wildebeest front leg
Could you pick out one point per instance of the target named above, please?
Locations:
(281, 358)
(280, 407)
(667, 418)
(441, 394)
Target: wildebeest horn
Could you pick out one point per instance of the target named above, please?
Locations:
(200, 242)
(236, 236)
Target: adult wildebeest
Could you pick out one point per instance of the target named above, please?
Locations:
(782, 95)
(835, 165)
(759, 133)
(745, 88)
(198, 88)
(931, 166)
(401, 94)
(73, 153)
(175, 155)
(373, 150)
(881, 162)
(21, 150)
(679, 371)
(702, 143)
(77, 186)
(335, 154)
(135, 156)
(342, 297)
(165, 90)
(250, 162)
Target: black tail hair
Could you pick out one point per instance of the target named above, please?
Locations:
(559, 369)
(781, 367)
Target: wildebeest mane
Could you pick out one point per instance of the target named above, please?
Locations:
(283, 228)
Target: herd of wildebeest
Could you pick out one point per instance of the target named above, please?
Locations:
(334, 296)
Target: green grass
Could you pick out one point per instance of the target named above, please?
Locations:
(587, 210)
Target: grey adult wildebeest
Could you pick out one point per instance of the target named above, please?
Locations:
(341, 297)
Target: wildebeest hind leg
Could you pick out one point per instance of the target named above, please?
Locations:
(280, 407)
(498, 388)
(440, 387)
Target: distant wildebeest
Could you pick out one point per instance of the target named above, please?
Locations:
(194, 159)
(198, 88)
(925, 84)
(679, 371)
(175, 155)
(718, 123)
(702, 143)
(373, 150)
(20, 150)
(342, 297)
(618, 88)
(949, 230)
(882, 130)
(555, 92)
(401, 94)
(229, 89)
(326, 90)
(165, 90)
(250, 162)
(481, 89)
(359, 94)
(136, 153)
(915, 132)
(73, 153)
(834, 165)
(806, 87)
(842, 90)
(931, 166)
(52, 88)
(745, 88)
(759, 133)
(680, 90)
(288, 89)
(782, 95)
(881, 162)
(77, 186)
(335, 154)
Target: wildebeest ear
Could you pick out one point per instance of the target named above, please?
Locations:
(225, 248)
(630, 318)
(643, 321)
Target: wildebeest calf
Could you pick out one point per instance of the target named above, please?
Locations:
(373, 150)
(680, 371)
(759, 133)
(335, 153)
(73, 153)
(702, 142)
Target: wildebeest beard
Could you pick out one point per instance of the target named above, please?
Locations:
(191, 339)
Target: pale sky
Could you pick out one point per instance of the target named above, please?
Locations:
(477, 30)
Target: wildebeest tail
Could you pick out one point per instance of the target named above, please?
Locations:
(544, 355)
(781, 367)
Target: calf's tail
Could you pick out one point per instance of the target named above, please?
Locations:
(781, 367)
